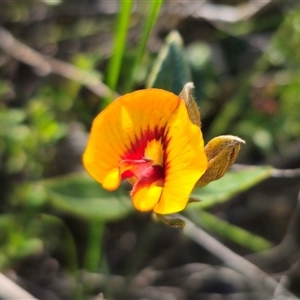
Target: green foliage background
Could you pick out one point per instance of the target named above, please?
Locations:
(45, 120)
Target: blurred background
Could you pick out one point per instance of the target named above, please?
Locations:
(63, 61)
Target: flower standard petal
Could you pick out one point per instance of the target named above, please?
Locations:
(123, 130)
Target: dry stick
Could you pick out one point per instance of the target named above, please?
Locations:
(275, 173)
(89, 81)
(183, 8)
(280, 257)
(230, 14)
(285, 173)
(216, 12)
(22, 52)
(47, 65)
(10, 290)
(233, 260)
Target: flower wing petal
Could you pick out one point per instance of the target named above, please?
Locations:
(185, 162)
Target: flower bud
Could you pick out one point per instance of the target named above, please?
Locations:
(191, 105)
(221, 153)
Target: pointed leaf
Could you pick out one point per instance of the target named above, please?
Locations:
(229, 231)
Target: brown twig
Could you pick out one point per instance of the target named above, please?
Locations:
(279, 258)
(275, 173)
(285, 173)
(217, 12)
(89, 81)
(183, 8)
(47, 65)
(236, 262)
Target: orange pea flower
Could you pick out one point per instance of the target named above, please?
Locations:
(148, 139)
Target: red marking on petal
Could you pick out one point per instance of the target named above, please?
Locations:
(133, 168)
(138, 144)
(127, 174)
(151, 175)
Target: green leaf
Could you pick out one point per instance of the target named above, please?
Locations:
(12, 116)
(170, 71)
(233, 183)
(78, 194)
(19, 238)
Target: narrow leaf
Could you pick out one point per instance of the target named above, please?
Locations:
(231, 232)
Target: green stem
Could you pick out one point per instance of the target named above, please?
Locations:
(119, 43)
(69, 249)
(149, 24)
(94, 244)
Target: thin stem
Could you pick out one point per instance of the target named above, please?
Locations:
(119, 43)
(93, 249)
(275, 173)
(149, 24)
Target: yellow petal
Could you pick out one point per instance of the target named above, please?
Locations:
(147, 190)
(112, 180)
(185, 162)
(154, 151)
(123, 129)
(146, 197)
